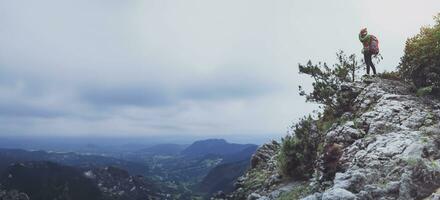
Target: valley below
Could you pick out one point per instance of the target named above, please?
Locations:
(162, 171)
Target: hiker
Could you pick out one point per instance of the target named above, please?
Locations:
(371, 47)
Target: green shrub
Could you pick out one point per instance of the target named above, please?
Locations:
(390, 75)
(420, 63)
(424, 91)
(297, 192)
(299, 150)
(328, 80)
(255, 180)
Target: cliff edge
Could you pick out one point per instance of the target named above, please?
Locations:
(386, 147)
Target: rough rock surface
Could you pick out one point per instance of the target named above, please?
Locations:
(397, 158)
(262, 180)
(390, 148)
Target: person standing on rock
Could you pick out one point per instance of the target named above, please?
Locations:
(371, 47)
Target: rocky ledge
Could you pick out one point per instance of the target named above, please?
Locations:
(389, 144)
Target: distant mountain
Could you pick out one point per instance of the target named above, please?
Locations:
(8, 156)
(47, 180)
(172, 169)
(13, 195)
(42, 180)
(213, 146)
(222, 177)
(243, 155)
(117, 184)
(223, 161)
(164, 149)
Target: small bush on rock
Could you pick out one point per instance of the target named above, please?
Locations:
(328, 81)
(300, 150)
(420, 63)
(257, 178)
(297, 192)
(390, 75)
(424, 91)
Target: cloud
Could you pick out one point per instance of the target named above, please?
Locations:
(126, 96)
(219, 85)
(13, 110)
(159, 95)
(182, 68)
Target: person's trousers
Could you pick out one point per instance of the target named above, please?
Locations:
(369, 63)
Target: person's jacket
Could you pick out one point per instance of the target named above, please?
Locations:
(366, 41)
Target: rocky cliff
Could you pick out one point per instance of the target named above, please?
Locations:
(386, 147)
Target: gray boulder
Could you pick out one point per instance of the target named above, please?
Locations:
(338, 194)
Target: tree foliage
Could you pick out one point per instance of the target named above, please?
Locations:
(327, 80)
(420, 63)
(300, 150)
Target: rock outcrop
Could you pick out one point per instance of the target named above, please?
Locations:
(390, 149)
(261, 176)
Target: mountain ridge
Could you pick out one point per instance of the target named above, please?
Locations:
(213, 146)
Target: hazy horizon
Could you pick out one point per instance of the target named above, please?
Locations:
(183, 70)
(10, 141)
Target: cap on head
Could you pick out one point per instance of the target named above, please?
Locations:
(364, 31)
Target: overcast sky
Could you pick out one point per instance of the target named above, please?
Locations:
(179, 68)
